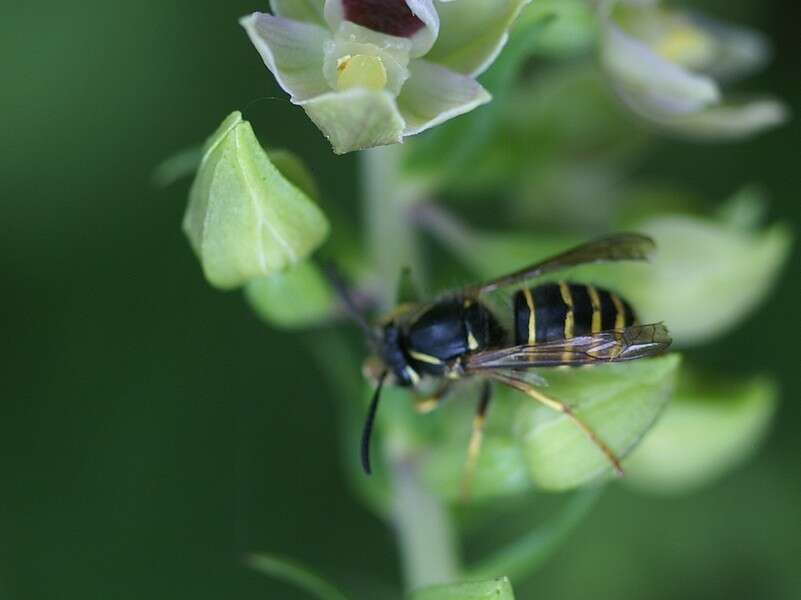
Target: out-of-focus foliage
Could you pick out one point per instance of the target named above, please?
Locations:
(709, 428)
(495, 589)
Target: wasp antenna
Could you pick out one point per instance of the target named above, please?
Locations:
(348, 303)
(367, 432)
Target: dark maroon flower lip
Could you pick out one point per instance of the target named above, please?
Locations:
(392, 17)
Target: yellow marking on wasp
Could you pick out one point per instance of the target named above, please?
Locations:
(532, 317)
(413, 376)
(426, 358)
(620, 314)
(472, 342)
(567, 298)
(596, 309)
(467, 303)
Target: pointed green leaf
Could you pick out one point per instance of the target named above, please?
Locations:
(291, 572)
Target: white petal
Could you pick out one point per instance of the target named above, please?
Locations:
(647, 82)
(738, 51)
(728, 120)
(434, 94)
(424, 39)
(310, 11)
(356, 119)
(472, 33)
(292, 50)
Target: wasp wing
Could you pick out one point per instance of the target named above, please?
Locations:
(622, 246)
(616, 345)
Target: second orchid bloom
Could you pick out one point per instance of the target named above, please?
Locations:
(369, 73)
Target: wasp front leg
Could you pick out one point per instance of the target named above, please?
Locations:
(425, 404)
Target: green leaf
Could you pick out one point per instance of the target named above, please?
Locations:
(494, 589)
(296, 171)
(297, 297)
(293, 573)
(709, 429)
(244, 218)
(620, 402)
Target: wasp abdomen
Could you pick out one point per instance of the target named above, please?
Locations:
(557, 311)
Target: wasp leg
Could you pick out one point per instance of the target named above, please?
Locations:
(429, 403)
(476, 437)
(563, 408)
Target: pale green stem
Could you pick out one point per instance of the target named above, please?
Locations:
(388, 199)
(424, 531)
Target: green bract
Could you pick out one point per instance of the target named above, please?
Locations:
(297, 297)
(368, 79)
(667, 66)
(707, 429)
(244, 218)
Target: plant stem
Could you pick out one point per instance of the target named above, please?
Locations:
(424, 532)
(391, 238)
(423, 529)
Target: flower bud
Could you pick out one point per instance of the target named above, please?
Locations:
(245, 219)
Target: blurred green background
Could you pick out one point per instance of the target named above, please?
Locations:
(152, 430)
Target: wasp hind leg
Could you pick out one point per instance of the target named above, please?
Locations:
(476, 437)
(559, 406)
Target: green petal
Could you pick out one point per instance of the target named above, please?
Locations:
(472, 33)
(706, 431)
(297, 297)
(620, 402)
(356, 119)
(293, 51)
(434, 94)
(310, 11)
(244, 218)
(494, 589)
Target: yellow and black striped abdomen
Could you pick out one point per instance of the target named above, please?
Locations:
(556, 311)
